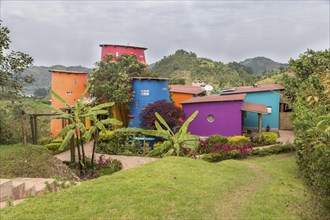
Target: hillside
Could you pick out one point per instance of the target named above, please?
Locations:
(260, 65)
(43, 76)
(187, 65)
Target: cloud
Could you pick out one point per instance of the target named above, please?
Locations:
(69, 32)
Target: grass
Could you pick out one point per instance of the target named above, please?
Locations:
(31, 161)
(180, 188)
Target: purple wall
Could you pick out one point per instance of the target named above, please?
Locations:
(227, 118)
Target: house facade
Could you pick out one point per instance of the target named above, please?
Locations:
(268, 95)
(118, 50)
(70, 85)
(180, 93)
(145, 91)
(217, 115)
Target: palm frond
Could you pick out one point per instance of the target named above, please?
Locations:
(66, 140)
(65, 130)
(59, 98)
(101, 106)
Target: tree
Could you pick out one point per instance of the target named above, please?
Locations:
(174, 142)
(111, 80)
(12, 65)
(40, 92)
(310, 92)
(75, 132)
(172, 114)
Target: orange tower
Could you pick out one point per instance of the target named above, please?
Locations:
(70, 85)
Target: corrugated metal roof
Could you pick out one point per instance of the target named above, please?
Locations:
(254, 107)
(215, 98)
(186, 89)
(66, 71)
(148, 78)
(127, 46)
(259, 88)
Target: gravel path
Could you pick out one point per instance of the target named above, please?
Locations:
(127, 161)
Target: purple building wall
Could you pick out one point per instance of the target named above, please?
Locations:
(227, 118)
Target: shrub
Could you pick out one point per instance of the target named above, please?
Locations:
(276, 149)
(265, 138)
(205, 146)
(108, 166)
(212, 157)
(121, 142)
(54, 146)
(226, 148)
(238, 140)
(172, 114)
(44, 140)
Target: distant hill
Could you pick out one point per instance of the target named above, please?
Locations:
(43, 76)
(186, 65)
(260, 65)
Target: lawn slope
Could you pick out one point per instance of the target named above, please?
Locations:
(31, 161)
(260, 188)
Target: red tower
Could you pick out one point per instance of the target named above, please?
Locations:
(118, 50)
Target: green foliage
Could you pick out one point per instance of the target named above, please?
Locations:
(174, 142)
(13, 123)
(55, 146)
(212, 157)
(12, 65)
(310, 94)
(44, 140)
(238, 140)
(111, 80)
(275, 149)
(206, 146)
(265, 138)
(121, 142)
(186, 65)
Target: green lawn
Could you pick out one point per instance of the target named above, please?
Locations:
(259, 188)
(30, 161)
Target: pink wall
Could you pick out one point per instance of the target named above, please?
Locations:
(118, 49)
(227, 118)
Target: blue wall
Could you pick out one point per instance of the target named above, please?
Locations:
(146, 91)
(268, 98)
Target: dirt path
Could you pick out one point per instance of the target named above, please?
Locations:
(127, 161)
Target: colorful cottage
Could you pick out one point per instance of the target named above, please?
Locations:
(268, 95)
(70, 85)
(220, 114)
(180, 93)
(146, 90)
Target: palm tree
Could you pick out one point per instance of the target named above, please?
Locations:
(75, 133)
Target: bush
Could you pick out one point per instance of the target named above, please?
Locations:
(54, 146)
(238, 140)
(172, 114)
(265, 138)
(205, 146)
(276, 149)
(212, 157)
(121, 142)
(44, 140)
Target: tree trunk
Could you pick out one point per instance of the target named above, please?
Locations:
(79, 155)
(96, 138)
(72, 150)
(83, 150)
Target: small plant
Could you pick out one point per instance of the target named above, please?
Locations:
(265, 138)
(9, 202)
(238, 140)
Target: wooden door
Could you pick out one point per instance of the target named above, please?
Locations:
(285, 122)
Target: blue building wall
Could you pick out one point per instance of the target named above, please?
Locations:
(145, 92)
(268, 98)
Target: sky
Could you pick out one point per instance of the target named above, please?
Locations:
(70, 32)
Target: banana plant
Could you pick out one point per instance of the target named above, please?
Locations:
(76, 128)
(173, 141)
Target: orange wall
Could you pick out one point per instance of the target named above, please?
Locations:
(70, 86)
(180, 97)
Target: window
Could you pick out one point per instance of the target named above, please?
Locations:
(75, 81)
(144, 92)
(269, 109)
(210, 118)
(69, 93)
